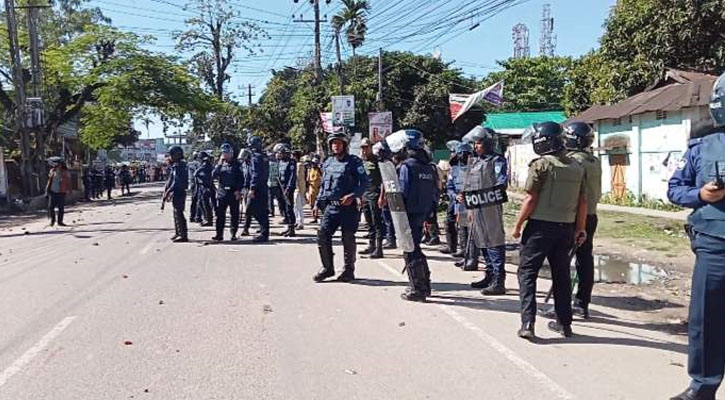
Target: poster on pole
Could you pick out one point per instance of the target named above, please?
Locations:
(381, 125)
(327, 127)
(343, 111)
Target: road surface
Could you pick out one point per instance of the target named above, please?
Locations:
(109, 308)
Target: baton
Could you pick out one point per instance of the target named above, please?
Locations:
(572, 253)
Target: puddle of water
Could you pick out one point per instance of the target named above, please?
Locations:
(607, 269)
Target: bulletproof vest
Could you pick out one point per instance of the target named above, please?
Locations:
(459, 175)
(593, 168)
(422, 187)
(286, 169)
(559, 195)
(261, 172)
(340, 178)
(710, 218)
(273, 174)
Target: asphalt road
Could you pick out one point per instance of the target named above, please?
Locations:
(109, 308)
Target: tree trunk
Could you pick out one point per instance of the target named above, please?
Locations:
(354, 63)
(339, 63)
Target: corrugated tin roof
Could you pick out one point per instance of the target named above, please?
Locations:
(521, 120)
(681, 90)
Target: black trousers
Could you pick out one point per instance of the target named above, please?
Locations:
(204, 205)
(289, 207)
(228, 200)
(376, 220)
(56, 200)
(552, 241)
(194, 212)
(178, 200)
(258, 207)
(585, 263)
(275, 192)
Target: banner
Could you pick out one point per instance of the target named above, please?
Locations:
(381, 125)
(327, 127)
(461, 103)
(343, 111)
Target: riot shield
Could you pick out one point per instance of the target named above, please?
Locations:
(484, 201)
(394, 197)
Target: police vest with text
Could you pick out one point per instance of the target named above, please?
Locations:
(710, 218)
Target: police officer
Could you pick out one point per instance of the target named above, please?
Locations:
(87, 177)
(245, 162)
(125, 179)
(275, 192)
(258, 190)
(343, 182)
(698, 184)
(457, 175)
(578, 140)
(370, 201)
(287, 184)
(175, 191)
(451, 244)
(194, 165)
(229, 175)
(109, 180)
(420, 194)
(205, 189)
(493, 283)
(555, 207)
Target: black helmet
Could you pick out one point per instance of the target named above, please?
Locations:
(548, 138)
(176, 153)
(415, 139)
(578, 135)
(338, 136)
(255, 143)
(204, 156)
(717, 108)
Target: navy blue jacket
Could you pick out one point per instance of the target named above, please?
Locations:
(229, 176)
(178, 178)
(203, 176)
(259, 172)
(417, 182)
(288, 175)
(342, 177)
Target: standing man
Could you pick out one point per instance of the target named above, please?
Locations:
(343, 182)
(314, 181)
(125, 179)
(698, 184)
(417, 184)
(58, 185)
(245, 162)
(301, 189)
(109, 180)
(487, 170)
(579, 138)
(370, 201)
(555, 207)
(87, 183)
(258, 190)
(175, 191)
(205, 188)
(288, 184)
(275, 192)
(193, 166)
(454, 185)
(229, 175)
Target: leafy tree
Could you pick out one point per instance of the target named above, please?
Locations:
(353, 16)
(213, 37)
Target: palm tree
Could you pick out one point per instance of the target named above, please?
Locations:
(353, 17)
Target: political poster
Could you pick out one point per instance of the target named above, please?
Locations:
(343, 111)
(381, 125)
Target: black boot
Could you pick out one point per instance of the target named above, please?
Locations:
(483, 283)
(563, 330)
(348, 244)
(496, 288)
(183, 232)
(581, 308)
(245, 232)
(176, 229)
(451, 240)
(527, 331)
(416, 288)
(324, 246)
(390, 244)
(290, 232)
(692, 394)
(369, 249)
(378, 251)
(471, 263)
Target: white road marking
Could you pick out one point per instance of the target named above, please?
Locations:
(28, 356)
(509, 354)
(147, 247)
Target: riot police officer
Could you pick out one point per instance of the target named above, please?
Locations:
(459, 170)
(288, 184)
(229, 175)
(487, 168)
(205, 189)
(125, 178)
(451, 244)
(245, 162)
(258, 190)
(579, 138)
(698, 184)
(175, 191)
(109, 180)
(420, 194)
(370, 201)
(194, 165)
(343, 183)
(554, 210)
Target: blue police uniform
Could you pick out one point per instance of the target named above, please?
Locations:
(455, 187)
(205, 191)
(230, 179)
(259, 204)
(176, 187)
(288, 184)
(420, 194)
(340, 177)
(706, 362)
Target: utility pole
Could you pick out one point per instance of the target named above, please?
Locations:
(19, 88)
(380, 79)
(250, 94)
(318, 51)
(339, 62)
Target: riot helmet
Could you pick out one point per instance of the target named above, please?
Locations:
(452, 145)
(415, 139)
(483, 135)
(195, 155)
(464, 148)
(255, 143)
(338, 136)
(226, 148)
(578, 135)
(717, 108)
(204, 156)
(176, 153)
(547, 138)
(382, 150)
(245, 155)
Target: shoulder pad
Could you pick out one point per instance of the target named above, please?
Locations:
(535, 160)
(694, 142)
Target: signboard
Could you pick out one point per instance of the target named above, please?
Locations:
(381, 125)
(343, 111)
(3, 175)
(355, 141)
(34, 112)
(327, 127)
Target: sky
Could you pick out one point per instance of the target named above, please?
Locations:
(472, 34)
